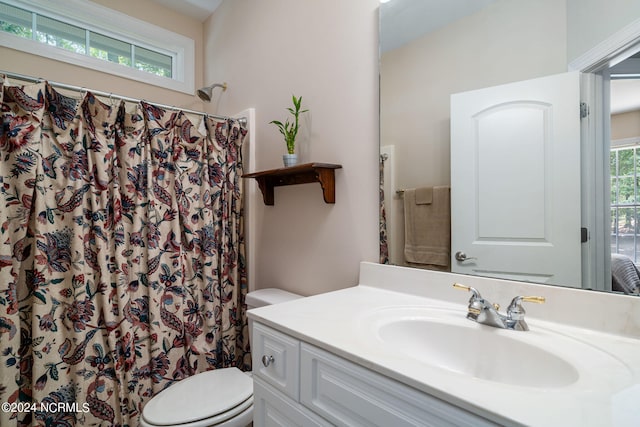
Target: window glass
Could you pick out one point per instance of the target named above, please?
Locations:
(625, 187)
(59, 34)
(110, 49)
(153, 62)
(15, 21)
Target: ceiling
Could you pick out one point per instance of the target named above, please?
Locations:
(625, 92)
(197, 9)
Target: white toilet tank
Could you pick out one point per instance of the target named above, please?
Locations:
(268, 296)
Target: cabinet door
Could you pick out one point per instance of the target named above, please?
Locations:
(276, 359)
(273, 409)
(349, 395)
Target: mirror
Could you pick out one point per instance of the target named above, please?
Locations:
(430, 49)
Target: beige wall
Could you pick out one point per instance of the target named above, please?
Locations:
(625, 125)
(501, 44)
(37, 66)
(592, 21)
(326, 52)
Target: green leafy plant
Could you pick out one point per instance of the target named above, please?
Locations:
(290, 130)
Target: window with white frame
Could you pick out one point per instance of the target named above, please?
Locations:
(90, 35)
(625, 200)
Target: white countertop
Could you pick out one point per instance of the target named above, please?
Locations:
(608, 395)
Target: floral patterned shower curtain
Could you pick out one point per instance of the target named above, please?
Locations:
(121, 255)
(384, 246)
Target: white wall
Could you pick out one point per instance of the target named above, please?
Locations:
(326, 52)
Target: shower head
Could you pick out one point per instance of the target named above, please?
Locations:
(205, 92)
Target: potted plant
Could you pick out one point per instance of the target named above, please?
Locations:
(290, 131)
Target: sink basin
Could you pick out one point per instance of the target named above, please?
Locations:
(481, 352)
(445, 339)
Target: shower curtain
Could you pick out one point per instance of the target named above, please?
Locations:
(384, 246)
(121, 255)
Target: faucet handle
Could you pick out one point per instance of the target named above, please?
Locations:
(476, 302)
(537, 300)
(515, 310)
(474, 291)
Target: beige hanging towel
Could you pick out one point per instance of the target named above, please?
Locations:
(427, 225)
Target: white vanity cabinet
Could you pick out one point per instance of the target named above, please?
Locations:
(273, 409)
(298, 384)
(382, 354)
(276, 381)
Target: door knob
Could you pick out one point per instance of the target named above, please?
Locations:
(461, 256)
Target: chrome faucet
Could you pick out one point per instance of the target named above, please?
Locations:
(482, 311)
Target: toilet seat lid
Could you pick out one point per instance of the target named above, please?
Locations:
(198, 397)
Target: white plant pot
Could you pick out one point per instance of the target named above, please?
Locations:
(290, 160)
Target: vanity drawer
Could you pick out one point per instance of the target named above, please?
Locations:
(349, 395)
(273, 409)
(276, 359)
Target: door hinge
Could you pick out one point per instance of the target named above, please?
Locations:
(584, 235)
(584, 110)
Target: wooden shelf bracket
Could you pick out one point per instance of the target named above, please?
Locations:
(324, 173)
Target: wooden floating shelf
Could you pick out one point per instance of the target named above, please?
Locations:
(324, 173)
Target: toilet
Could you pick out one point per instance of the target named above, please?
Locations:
(220, 398)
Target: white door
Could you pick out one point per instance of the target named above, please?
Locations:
(515, 181)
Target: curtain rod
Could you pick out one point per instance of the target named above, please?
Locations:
(241, 120)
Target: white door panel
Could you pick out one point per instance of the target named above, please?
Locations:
(515, 180)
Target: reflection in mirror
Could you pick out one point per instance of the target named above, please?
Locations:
(431, 49)
(624, 174)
